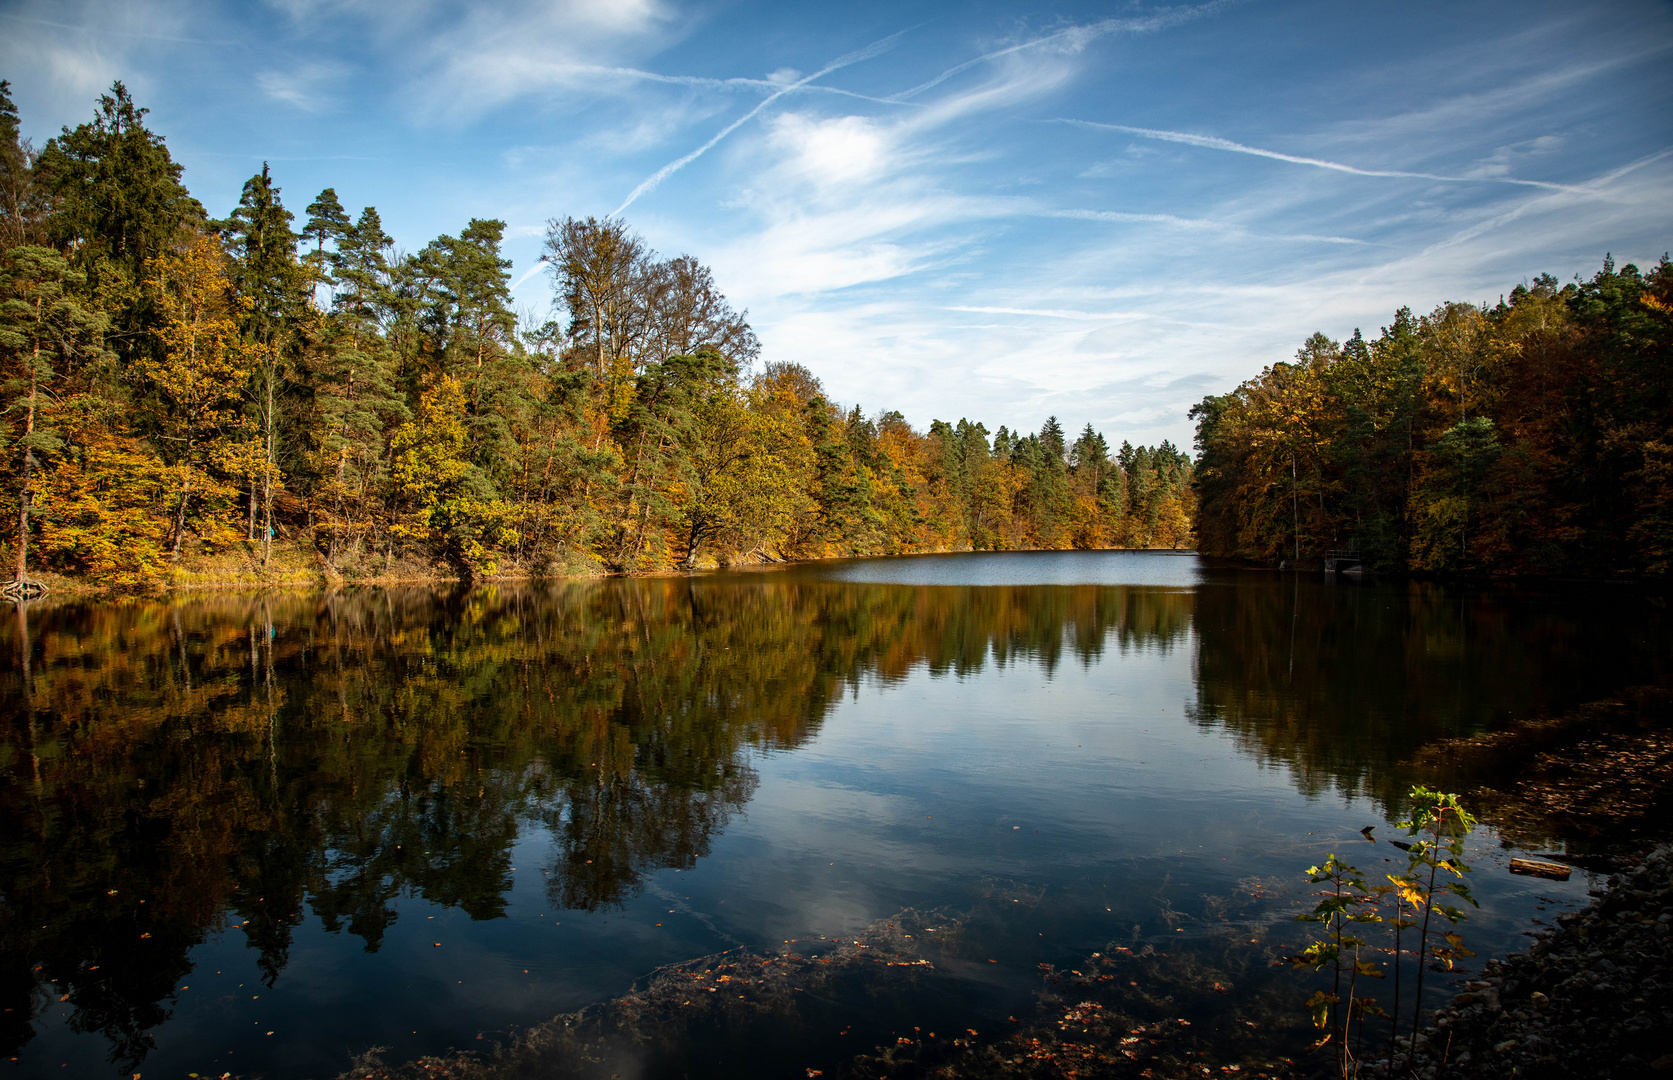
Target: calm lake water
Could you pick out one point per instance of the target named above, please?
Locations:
(262, 833)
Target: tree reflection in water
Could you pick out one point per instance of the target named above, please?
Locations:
(1342, 684)
(175, 769)
(172, 770)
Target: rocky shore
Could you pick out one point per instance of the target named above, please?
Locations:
(1593, 997)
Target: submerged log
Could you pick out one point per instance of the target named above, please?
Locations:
(1555, 871)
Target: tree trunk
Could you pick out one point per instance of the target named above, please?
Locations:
(1295, 511)
(185, 496)
(25, 494)
(267, 474)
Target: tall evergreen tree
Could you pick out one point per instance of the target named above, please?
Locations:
(274, 289)
(328, 223)
(22, 212)
(41, 324)
(117, 204)
(472, 334)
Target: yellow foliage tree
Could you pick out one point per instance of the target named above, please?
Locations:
(204, 366)
(102, 504)
(447, 502)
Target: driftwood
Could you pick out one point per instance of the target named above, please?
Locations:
(1555, 871)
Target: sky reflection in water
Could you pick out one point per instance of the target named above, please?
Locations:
(405, 818)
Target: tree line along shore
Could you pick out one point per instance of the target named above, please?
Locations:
(184, 393)
(1534, 436)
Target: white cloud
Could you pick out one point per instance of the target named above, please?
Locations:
(842, 150)
(61, 56)
(938, 248)
(305, 86)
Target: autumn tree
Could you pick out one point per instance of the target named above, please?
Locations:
(600, 275)
(200, 372)
(741, 491)
(447, 501)
(41, 324)
(1526, 437)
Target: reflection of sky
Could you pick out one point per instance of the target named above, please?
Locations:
(1158, 569)
(1083, 793)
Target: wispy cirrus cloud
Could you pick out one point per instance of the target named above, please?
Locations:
(306, 86)
(1222, 227)
(1075, 38)
(875, 49)
(922, 228)
(1211, 142)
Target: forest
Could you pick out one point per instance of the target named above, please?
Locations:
(1534, 436)
(185, 395)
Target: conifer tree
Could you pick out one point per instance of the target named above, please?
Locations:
(117, 204)
(472, 334)
(22, 217)
(328, 223)
(355, 393)
(41, 323)
(273, 288)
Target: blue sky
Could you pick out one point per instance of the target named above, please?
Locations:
(1000, 211)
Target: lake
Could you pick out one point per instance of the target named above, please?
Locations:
(266, 832)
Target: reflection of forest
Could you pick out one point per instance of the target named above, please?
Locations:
(1342, 683)
(171, 770)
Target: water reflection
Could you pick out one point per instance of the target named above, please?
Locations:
(172, 770)
(177, 769)
(1342, 683)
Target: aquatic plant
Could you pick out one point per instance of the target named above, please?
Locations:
(1421, 899)
(1438, 826)
(1347, 903)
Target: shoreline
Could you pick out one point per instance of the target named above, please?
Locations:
(1592, 996)
(207, 581)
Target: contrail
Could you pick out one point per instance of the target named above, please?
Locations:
(707, 82)
(1125, 217)
(1080, 35)
(650, 182)
(1592, 186)
(111, 32)
(1052, 313)
(1209, 142)
(540, 264)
